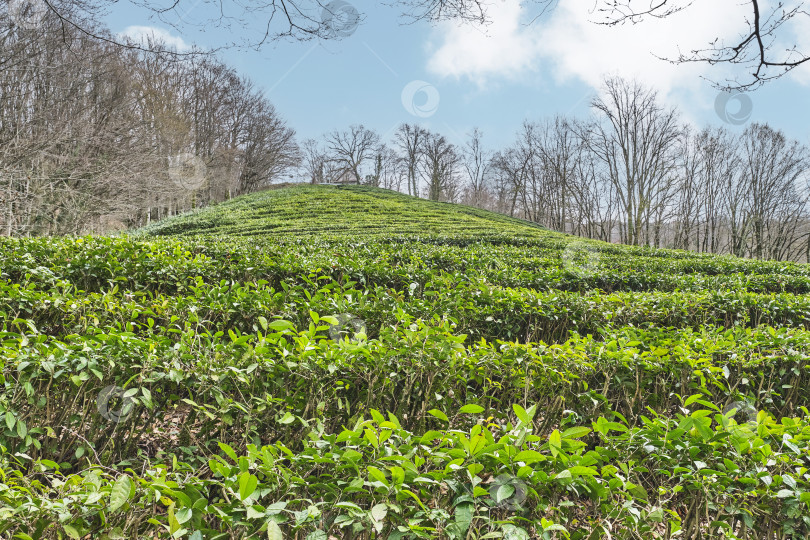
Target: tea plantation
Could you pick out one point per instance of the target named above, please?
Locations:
(321, 362)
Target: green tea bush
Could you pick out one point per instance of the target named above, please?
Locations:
(319, 363)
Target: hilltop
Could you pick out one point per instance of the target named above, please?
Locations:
(352, 211)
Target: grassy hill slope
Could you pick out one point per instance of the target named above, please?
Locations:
(316, 363)
(355, 211)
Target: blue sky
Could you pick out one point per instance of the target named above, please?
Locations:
(451, 77)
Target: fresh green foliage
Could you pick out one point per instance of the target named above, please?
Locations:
(348, 211)
(320, 363)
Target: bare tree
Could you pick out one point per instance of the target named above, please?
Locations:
(477, 162)
(772, 167)
(592, 201)
(708, 164)
(440, 164)
(410, 140)
(438, 10)
(256, 23)
(719, 164)
(267, 150)
(314, 160)
(634, 138)
(559, 149)
(387, 172)
(512, 167)
(277, 19)
(90, 132)
(352, 148)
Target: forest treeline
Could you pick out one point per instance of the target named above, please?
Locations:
(96, 136)
(634, 172)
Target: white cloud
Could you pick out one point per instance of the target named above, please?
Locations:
(145, 34)
(579, 48)
(569, 45)
(502, 49)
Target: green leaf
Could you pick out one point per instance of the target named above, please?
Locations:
(702, 427)
(228, 450)
(521, 413)
(430, 436)
(378, 512)
(471, 409)
(692, 399)
(529, 456)
(174, 525)
(253, 513)
(464, 514)
(579, 470)
(438, 414)
(247, 485)
(119, 494)
(397, 475)
(603, 426)
(280, 325)
(504, 492)
(555, 443)
(377, 474)
(551, 526)
(575, 432)
(346, 504)
(275, 508)
(183, 515)
(564, 474)
(70, 531)
(274, 531)
(477, 444)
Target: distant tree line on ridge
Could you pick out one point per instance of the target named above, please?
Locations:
(633, 173)
(96, 136)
